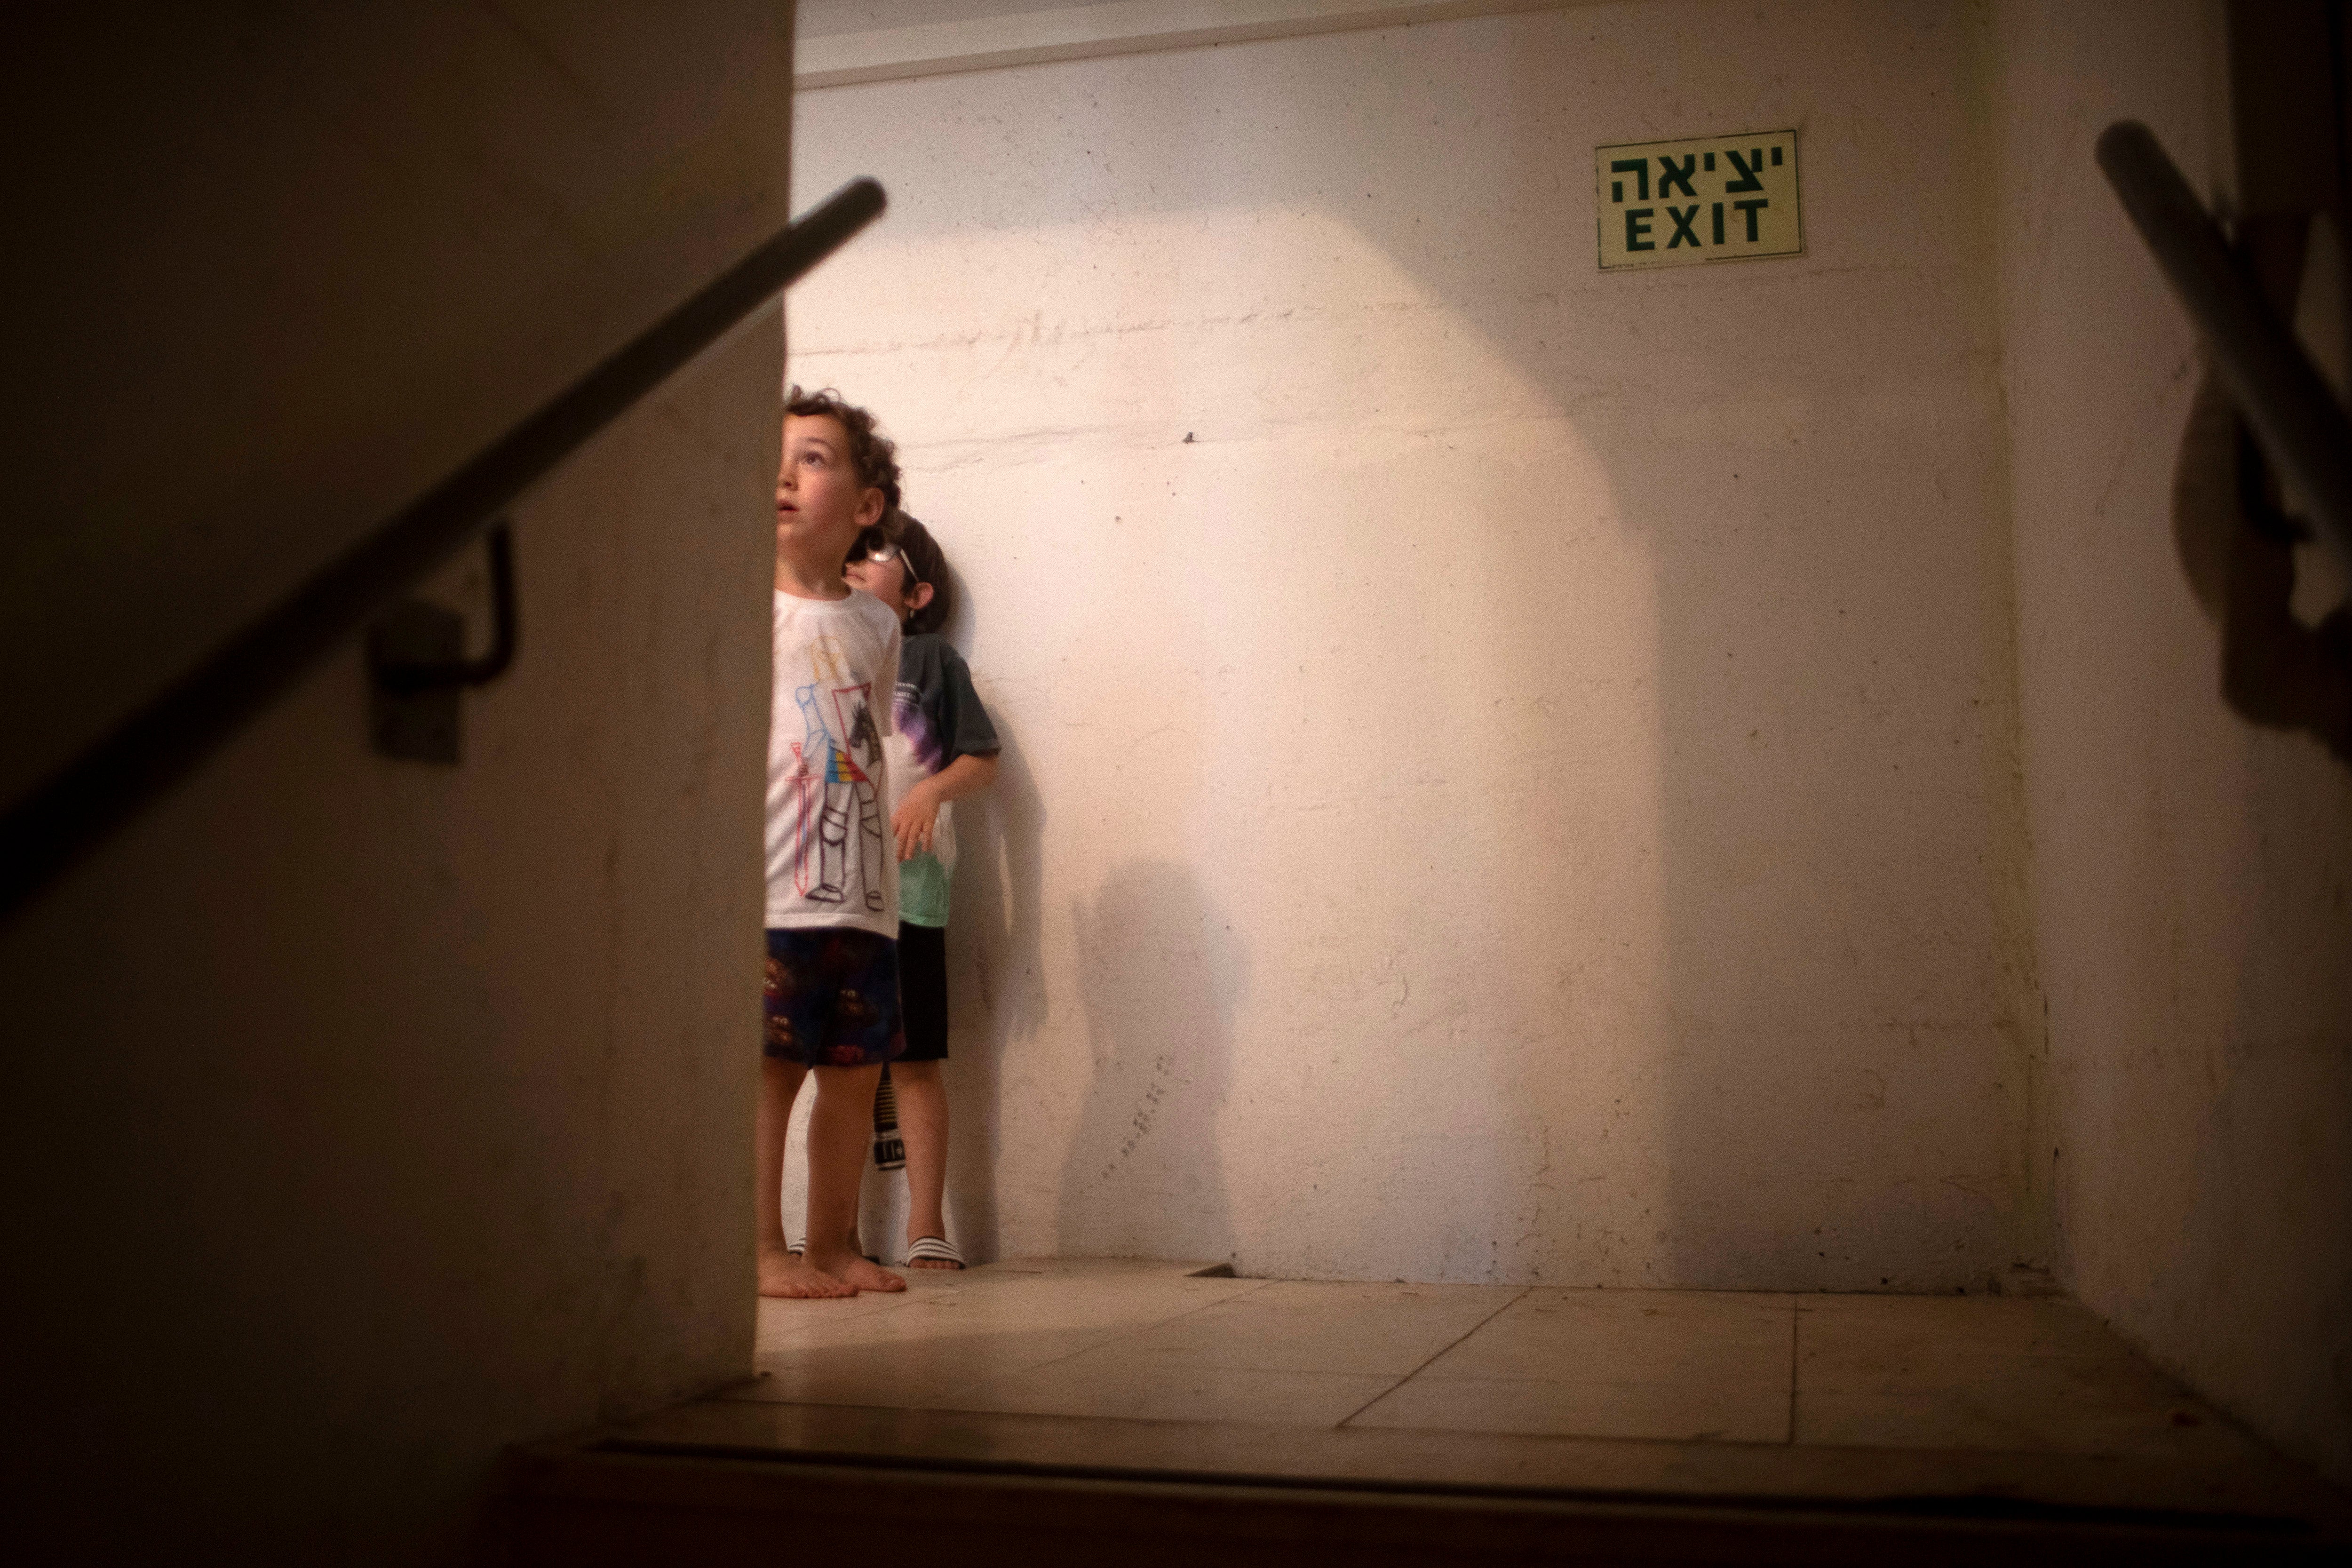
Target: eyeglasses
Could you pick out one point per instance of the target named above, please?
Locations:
(882, 551)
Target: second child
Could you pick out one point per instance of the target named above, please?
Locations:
(945, 748)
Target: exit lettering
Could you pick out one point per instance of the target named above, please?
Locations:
(1703, 199)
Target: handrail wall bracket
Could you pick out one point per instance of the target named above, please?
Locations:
(419, 671)
(76, 807)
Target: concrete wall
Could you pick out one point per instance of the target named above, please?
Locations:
(1510, 771)
(2190, 873)
(362, 1117)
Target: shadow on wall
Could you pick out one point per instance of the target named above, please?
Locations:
(996, 983)
(1161, 976)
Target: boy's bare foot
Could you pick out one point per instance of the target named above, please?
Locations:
(851, 1269)
(783, 1273)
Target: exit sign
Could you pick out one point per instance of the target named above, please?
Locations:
(1709, 199)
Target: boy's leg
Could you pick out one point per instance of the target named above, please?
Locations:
(923, 1092)
(841, 1125)
(923, 1123)
(889, 1149)
(781, 1273)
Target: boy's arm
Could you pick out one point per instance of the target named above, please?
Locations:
(916, 819)
(968, 774)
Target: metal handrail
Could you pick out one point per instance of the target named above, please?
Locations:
(76, 807)
(2277, 389)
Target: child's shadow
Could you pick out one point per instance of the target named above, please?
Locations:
(1160, 975)
(996, 981)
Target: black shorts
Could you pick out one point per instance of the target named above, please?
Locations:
(923, 991)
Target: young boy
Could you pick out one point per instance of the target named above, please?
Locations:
(832, 991)
(944, 749)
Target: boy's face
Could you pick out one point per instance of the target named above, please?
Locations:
(820, 504)
(886, 580)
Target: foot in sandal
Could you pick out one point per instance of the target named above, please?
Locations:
(933, 1252)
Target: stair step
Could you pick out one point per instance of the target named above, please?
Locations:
(602, 1500)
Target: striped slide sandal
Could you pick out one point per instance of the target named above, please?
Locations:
(934, 1249)
(799, 1247)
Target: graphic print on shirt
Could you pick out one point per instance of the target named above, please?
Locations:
(915, 725)
(827, 771)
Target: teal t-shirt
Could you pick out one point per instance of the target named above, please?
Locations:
(923, 888)
(940, 718)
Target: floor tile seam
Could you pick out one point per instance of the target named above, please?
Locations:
(917, 1333)
(1261, 1369)
(1020, 1370)
(788, 1345)
(1195, 1378)
(1591, 1350)
(884, 1360)
(1501, 1307)
(1518, 1380)
(1753, 1445)
(836, 1405)
(2036, 1359)
(774, 1336)
(1694, 1292)
(894, 1302)
(1086, 1349)
(929, 1298)
(2139, 1396)
(955, 1331)
(937, 1408)
(903, 1300)
(1772, 1346)
(981, 1324)
(1664, 1300)
(1391, 1381)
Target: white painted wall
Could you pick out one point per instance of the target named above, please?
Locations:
(361, 1118)
(1510, 771)
(2189, 872)
(842, 41)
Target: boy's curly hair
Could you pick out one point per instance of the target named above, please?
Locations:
(874, 455)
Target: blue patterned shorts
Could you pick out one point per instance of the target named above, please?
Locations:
(831, 998)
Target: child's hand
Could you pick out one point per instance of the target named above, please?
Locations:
(916, 820)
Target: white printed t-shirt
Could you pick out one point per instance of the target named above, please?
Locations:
(832, 862)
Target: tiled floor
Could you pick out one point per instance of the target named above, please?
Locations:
(1149, 1367)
